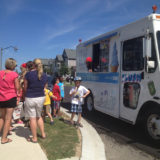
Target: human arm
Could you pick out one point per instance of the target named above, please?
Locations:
(73, 91)
(86, 93)
(51, 95)
(17, 88)
(25, 88)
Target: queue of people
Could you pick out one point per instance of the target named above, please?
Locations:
(30, 91)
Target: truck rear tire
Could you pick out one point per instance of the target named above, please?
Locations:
(152, 124)
(89, 104)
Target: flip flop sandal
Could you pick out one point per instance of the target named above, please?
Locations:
(31, 140)
(8, 141)
(42, 137)
(9, 133)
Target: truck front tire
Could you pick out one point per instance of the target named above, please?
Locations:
(152, 124)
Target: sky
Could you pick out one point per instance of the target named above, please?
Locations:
(44, 28)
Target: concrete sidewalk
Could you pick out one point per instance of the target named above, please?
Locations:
(21, 149)
(92, 145)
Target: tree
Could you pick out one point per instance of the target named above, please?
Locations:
(64, 69)
(48, 69)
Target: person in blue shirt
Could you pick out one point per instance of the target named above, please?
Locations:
(61, 86)
(34, 84)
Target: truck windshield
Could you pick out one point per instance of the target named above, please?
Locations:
(158, 40)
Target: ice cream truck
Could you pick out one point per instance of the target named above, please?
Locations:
(123, 73)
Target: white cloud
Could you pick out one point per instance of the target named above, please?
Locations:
(110, 6)
(58, 32)
(66, 22)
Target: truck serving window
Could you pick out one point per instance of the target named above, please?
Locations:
(133, 55)
(101, 57)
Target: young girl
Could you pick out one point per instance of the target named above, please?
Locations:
(47, 103)
(57, 94)
(18, 111)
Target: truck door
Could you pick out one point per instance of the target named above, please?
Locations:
(132, 72)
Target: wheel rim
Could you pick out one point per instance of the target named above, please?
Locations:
(152, 126)
(89, 103)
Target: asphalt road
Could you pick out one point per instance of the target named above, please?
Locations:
(120, 138)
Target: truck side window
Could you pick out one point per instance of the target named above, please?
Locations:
(153, 56)
(96, 57)
(158, 40)
(101, 57)
(133, 55)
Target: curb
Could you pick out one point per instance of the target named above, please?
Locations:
(92, 145)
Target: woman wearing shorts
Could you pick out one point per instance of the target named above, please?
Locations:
(34, 84)
(9, 88)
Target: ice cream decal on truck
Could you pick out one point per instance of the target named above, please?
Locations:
(114, 63)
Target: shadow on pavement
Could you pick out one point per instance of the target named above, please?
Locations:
(121, 131)
(22, 132)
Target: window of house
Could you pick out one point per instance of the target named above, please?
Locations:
(101, 57)
(133, 54)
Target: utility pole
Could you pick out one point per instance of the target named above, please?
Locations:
(1, 54)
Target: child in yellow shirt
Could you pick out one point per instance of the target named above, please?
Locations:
(47, 104)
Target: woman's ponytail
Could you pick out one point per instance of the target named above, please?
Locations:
(39, 67)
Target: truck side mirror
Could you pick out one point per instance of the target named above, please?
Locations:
(147, 49)
(150, 64)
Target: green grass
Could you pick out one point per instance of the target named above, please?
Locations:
(68, 83)
(61, 140)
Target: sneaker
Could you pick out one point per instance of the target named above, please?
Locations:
(20, 122)
(52, 123)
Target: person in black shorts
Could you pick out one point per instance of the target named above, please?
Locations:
(9, 90)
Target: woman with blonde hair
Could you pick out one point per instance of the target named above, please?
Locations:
(34, 83)
(9, 89)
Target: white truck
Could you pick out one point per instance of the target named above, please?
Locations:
(124, 78)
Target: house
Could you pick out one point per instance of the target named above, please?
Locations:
(48, 65)
(69, 57)
(58, 63)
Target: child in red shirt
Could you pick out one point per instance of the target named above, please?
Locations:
(56, 93)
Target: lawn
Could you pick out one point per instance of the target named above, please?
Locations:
(61, 141)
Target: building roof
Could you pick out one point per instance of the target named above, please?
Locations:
(69, 53)
(59, 58)
(47, 61)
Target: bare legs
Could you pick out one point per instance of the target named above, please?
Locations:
(79, 117)
(5, 122)
(33, 124)
(54, 111)
(72, 116)
(2, 117)
(78, 120)
(41, 126)
(49, 115)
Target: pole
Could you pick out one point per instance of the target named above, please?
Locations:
(1, 54)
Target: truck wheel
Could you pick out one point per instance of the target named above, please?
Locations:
(89, 104)
(152, 124)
